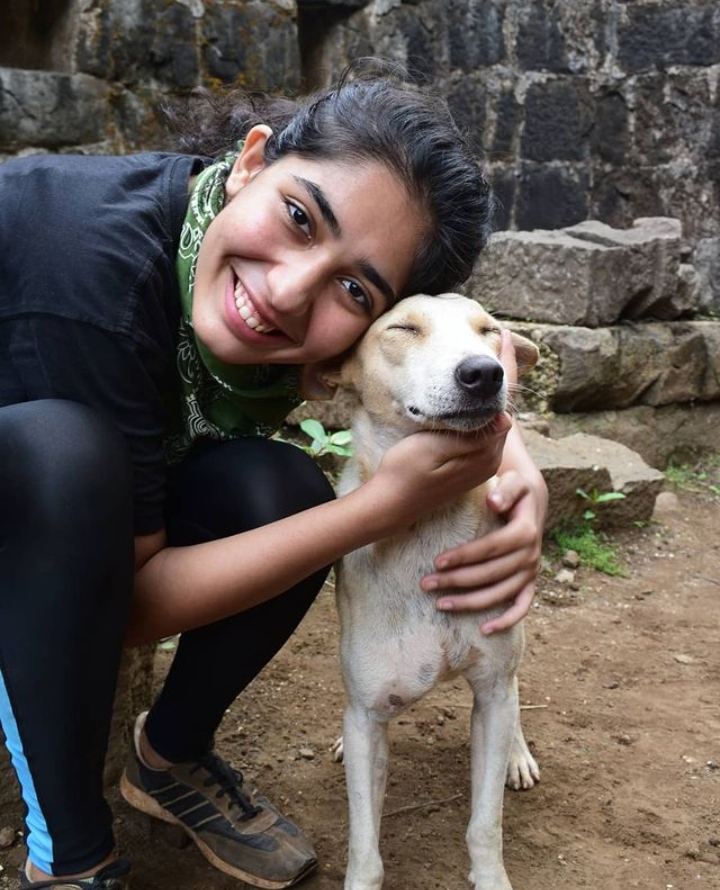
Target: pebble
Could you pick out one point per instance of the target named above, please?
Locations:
(684, 659)
(565, 576)
(8, 836)
(307, 754)
(571, 559)
(666, 504)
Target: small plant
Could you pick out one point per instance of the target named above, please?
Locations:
(700, 477)
(596, 498)
(322, 442)
(594, 551)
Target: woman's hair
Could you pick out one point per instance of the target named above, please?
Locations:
(373, 113)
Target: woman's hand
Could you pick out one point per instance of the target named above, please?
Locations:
(428, 469)
(500, 567)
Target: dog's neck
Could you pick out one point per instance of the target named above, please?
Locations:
(373, 436)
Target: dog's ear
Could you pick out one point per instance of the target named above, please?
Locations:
(526, 353)
(320, 380)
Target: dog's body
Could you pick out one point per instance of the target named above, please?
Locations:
(429, 363)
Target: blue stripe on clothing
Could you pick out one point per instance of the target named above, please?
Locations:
(38, 839)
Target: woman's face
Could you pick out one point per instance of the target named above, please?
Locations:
(302, 258)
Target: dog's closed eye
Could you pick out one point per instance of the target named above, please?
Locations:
(408, 328)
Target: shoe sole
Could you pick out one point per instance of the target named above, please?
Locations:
(148, 805)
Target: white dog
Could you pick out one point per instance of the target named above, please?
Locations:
(429, 363)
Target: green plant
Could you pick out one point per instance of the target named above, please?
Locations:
(699, 477)
(596, 498)
(592, 548)
(322, 442)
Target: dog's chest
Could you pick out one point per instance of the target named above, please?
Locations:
(399, 643)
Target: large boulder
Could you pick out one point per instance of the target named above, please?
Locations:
(589, 274)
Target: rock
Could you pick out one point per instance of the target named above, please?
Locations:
(666, 504)
(565, 577)
(684, 659)
(587, 369)
(594, 465)
(656, 434)
(589, 274)
(8, 836)
(570, 559)
(49, 109)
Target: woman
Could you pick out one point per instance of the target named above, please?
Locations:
(155, 316)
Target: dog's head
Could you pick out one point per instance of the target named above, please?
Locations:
(428, 363)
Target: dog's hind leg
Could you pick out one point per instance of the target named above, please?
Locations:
(493, 724)
(365, 752)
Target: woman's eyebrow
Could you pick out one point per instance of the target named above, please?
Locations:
(326, 211)
(323, 204)
(380, 283)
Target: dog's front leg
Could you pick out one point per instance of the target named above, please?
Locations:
(365, 747)
(494, 716)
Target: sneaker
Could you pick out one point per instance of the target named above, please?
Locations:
(112, 877)
(236, 829)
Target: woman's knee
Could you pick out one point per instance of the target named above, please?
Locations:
(63, 460)
(243, 484)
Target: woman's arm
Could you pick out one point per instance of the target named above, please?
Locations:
(178, 588)
(500, 568)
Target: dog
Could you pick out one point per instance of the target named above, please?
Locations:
(430, 363)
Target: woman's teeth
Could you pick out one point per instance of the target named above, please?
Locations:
(248, 313)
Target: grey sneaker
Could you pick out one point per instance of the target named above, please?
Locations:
(236, 829)
(112, 877)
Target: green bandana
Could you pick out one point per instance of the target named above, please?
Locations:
(219, 401)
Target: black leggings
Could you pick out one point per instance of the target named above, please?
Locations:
(66, 576)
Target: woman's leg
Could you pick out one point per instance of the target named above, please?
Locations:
(66, 574)
(226, 489)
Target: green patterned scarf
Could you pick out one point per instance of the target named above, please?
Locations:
(219, 401)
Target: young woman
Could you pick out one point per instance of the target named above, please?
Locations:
(156, 312)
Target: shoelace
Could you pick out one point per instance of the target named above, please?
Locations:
(229, 781)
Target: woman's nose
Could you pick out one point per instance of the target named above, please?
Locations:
(296, 286)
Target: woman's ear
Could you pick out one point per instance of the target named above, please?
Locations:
(250, 161)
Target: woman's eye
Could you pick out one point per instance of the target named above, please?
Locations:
(299, 217)
(357, 293)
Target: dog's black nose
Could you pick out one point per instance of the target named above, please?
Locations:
(480, 376)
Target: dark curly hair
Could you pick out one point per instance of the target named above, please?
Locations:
(373, 113)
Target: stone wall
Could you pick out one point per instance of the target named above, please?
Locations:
(626, 352)
(595, 109)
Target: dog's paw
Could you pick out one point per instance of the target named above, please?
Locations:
(522, 772)
(337, 750)
(490, 879)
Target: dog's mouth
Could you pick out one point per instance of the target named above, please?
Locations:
(464, 419)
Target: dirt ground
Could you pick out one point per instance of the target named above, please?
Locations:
(621, 692)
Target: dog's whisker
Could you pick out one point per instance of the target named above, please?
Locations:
(519, 388)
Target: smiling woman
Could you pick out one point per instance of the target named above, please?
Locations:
(153, 333)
